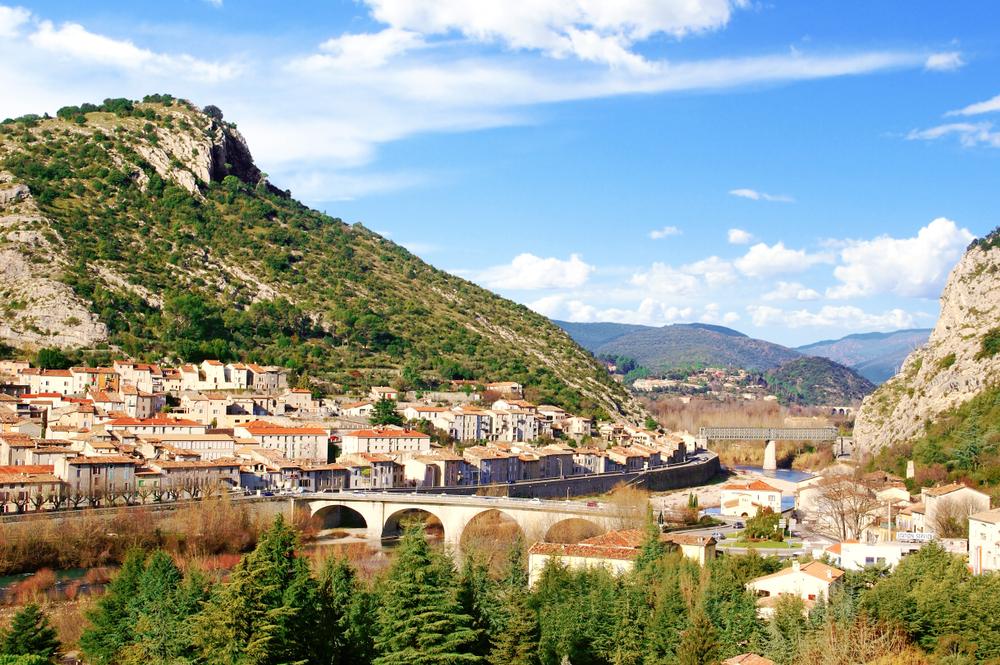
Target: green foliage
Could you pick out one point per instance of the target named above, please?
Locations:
(110, 625)
(990, 345)
(816, 380)
(699, 643)
(30, 634)
(419, 619)
(268, 611)
(52, 359)
(385, 413)
(23, 660)
(763, 526)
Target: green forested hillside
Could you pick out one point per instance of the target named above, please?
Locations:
(156, 216)
(817, 380)
(683, 344)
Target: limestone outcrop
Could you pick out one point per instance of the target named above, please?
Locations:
(37, 309)
(953, 367)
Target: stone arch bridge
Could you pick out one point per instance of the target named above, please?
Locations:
(382, 512)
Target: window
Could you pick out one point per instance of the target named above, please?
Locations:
(869, 560)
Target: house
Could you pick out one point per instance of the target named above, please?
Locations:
(510, 388)
(156, 425)
(466, 423)
(94, 378)
(743, 499)
(138, 403)
(950, 502)
(192, 476)
(628, 459)
(416, 413)
(912, 519)
(240, 376)
(437, 468)
(209, 447)
(513, 425)
(383, 392)
(19, 485)
(385, 441)
(373, 471)
(12, 367)
(493, 466)
(358, 410)
(854, 555)
(267, 379)
(309, 442)
(577, 427)
(508, 404)
(296, 399)
(984, 541)
(812, 582)
(58, 381)
(615, 550)
(99, 476)
(148, 378)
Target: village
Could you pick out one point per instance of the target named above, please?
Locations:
(716, 382)
(135, 433)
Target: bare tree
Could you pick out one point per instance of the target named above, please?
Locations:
(38, 499)
(626, 508)
(143, 493)
(951, 517)
(847, 505)
(21, 501)
(76, 497)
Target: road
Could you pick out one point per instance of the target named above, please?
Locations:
(731, 535)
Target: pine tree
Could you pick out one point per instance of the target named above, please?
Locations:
(420, 621)
(699, 643)
(30, 634)
(385, 413)
(344, 620)
(517, 643)
(670, 616)
(628, 645)
(478, 597)
(110, 625)
(267, 614)
(652, 547)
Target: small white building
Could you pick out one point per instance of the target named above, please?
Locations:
(383, 392)
(812, 582)
(984, 541)
(743, 499)
(854, 555)
(954, 500)
(358, 410)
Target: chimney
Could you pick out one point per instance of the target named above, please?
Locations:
(829, 574)
(795, 566)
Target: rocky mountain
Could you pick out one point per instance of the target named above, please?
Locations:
(816, 380)
(679, 345)
(959, 361)
(875, 356)
(146, 228)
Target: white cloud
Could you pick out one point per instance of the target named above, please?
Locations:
(364, 51)
(11, 19)
(979, 107)
(649, 312)
(791, 291)
(909, 267)
(601, 32)
(74, 41)
(714, 273)
(969, 134)
(764, 316)
(661, 278)
(756, 196)
(530, 272)
(764, 261)
(944, 62)
(712, 315)
(667, 231)
(739, 237)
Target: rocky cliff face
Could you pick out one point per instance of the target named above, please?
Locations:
(957, 362)
(38, 310)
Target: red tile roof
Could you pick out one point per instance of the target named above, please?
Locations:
(585, 551)
(755, 486)
(388, 433)
(748, 659)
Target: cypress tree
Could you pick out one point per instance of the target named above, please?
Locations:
(420, 620)
(268, 612)
(478, 596)
(670, 616)
(699, 643)
(30, 634)
(628, 645)
(344, 615)
(110, 625)
(652, 548)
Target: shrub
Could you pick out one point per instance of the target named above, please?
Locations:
(990, 344)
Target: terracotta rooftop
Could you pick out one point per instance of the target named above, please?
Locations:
(813, 568)
(748, 659)
(585, 551)
(755, 486)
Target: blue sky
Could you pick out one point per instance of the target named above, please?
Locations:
(798, 171)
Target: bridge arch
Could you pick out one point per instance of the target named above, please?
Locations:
(333, 516)
(573, 530)
(394, 524)
(490, 534)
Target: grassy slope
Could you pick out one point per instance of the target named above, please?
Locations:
(351, 306)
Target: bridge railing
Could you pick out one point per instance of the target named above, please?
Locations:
(768, 433)
(437, 499)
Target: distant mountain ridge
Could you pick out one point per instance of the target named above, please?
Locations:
(679, 344)
(876, 356)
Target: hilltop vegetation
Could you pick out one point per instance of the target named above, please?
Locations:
(685, 344)
(155, 215)
(815, 380)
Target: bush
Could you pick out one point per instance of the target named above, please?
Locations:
(990, 344)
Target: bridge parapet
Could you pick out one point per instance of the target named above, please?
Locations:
(768, 433)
